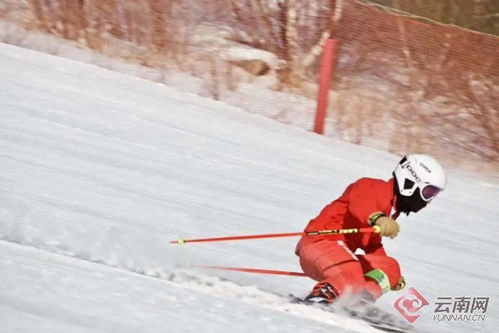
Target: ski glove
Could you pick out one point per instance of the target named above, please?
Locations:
(388, 227)
(400, 285)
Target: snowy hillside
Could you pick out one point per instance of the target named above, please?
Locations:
(99, 170)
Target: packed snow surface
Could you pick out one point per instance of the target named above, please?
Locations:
(100, 170)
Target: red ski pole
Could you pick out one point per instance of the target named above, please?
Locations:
(252, 270)
(374, 229)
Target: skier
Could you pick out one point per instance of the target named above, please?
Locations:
(331, 260)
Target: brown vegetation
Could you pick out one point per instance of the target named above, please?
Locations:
(415, 85)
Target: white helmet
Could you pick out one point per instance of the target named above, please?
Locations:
(420, 173)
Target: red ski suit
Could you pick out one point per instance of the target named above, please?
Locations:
(331, 258)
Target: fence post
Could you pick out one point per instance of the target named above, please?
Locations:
(326, 72)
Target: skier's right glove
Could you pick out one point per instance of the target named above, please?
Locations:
(387, 227)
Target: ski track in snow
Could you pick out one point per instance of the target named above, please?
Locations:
(221, 293)
(100, 170)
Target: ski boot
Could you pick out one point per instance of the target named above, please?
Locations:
(323, 293)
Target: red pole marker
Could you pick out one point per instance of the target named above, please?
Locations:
(326, 73)
(374, 229)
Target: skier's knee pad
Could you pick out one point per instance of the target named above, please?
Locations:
(386, 274)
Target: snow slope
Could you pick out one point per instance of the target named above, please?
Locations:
(99, 170)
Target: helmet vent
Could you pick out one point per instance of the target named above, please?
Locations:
(408, 184)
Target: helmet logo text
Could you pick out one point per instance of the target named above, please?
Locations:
(425, 167)
(413, 173)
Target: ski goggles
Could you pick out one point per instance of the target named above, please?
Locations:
(429, 192)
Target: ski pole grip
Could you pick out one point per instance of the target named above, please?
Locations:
(377, 229)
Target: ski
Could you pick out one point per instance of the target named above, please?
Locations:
(371, 314)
